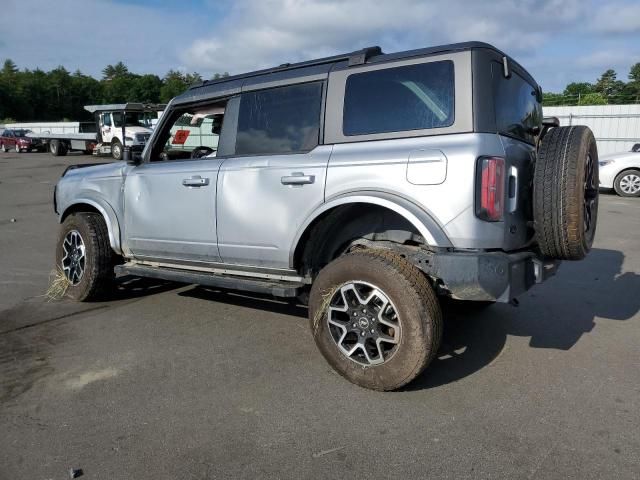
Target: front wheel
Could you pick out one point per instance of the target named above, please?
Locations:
(627, 184)
(116, 150)
(84, 256)
(375, 319)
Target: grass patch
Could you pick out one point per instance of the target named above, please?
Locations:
(58, 285)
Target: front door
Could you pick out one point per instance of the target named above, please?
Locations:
(106, 127)
(170, 210)
(170, 200)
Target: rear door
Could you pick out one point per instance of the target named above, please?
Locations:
(276, 177)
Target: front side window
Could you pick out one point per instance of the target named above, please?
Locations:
(518, 110)
(411, 97)
(106, 119)
(279, 120)
(193, 133)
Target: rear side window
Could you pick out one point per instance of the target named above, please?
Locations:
(517, 108)
(411, 97)
(279, 120)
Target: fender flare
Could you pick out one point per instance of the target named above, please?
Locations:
(109, 215)
(424, 223)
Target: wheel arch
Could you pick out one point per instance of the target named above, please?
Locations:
(420, 220)
(108, 214)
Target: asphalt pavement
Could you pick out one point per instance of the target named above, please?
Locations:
(171, 381)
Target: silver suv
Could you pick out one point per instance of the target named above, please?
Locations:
(367, 185)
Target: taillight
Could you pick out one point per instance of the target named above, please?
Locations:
(490, 189)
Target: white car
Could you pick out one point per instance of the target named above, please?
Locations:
(621, 171)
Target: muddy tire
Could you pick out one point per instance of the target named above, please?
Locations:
(565, 193)
(84, 255)
(375, 319)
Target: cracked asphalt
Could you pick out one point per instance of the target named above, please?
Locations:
(170, 381)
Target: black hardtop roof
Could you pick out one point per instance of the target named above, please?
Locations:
(358, 57)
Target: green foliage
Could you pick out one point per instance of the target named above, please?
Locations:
(36, 95)
(607, 90)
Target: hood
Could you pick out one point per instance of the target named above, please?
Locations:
(621, 156)
(95, 170)
(133, 130)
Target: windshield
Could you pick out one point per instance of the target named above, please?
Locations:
(21, 133)
(134, 119)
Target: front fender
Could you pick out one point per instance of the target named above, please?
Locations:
(432, 232)
(107, 212)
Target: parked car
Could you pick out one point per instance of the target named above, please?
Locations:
(16, 139)
(367, 185)
(621, 171)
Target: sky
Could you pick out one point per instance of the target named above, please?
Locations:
(558, 41)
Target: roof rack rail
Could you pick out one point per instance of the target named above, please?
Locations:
(357, 57)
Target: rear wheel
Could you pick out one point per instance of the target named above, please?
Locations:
(627, 184)
(375, 319)
(57, 148)
(565, 193)
(85, 257)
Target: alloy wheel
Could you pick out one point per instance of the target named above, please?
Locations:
(630, 184)
(364, 323)
(73, 261)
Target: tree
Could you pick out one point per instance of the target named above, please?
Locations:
(118, 70)
(592, 99)
(634, 73)
(174, 84)
(608, 85)
(9, 67)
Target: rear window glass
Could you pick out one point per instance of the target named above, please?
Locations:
(411, 97)
(279, 120)
(517, 108)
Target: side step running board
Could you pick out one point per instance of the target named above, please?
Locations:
(275, 288)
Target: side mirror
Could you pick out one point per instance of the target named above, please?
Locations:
(135, 158)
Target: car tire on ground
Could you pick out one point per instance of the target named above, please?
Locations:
(84, 255)
(116, 149)
(627, 183)
(565, 193)
(375, 319)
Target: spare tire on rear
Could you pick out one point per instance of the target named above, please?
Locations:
(565, 193)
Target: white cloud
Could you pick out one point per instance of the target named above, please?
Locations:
(261, 33)
(617, 18)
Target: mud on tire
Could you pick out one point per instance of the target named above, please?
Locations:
(411, 297)
(97, 267)
(565, 193)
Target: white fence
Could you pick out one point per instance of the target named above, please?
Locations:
(47, 127)
(616, 127)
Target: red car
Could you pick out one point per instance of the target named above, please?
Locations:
(16, 139)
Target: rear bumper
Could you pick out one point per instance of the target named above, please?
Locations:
(490, 276)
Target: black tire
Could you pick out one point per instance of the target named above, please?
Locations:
(98, 272)
(116, 149)
(565, 193)
(631, 176)
(54, 148)
(416, 305)
(63, 149)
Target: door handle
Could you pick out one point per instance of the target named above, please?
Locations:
(298, 178)
(195, 181)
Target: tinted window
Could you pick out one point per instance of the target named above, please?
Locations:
(279, 120)
(517, 108)
(412, 97)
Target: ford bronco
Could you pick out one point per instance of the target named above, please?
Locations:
(367, 185)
